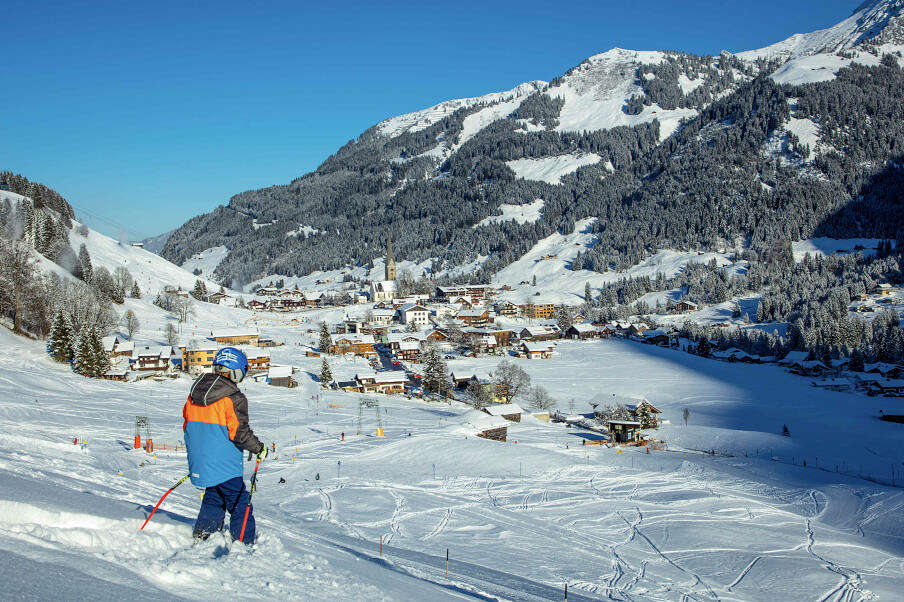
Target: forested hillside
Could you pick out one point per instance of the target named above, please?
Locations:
(694, 153)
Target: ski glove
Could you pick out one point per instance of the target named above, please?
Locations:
(262, 453)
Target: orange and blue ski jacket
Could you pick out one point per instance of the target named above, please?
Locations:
(216, 430)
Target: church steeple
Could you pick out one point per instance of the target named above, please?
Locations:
(390, 262)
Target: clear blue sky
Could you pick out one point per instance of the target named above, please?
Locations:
(151, 113)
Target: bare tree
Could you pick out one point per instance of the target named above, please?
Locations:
(18, 281)
(538, 399)
(481, 393)
(130, 323)
(511, 381)
(172, 338)
(181, 306)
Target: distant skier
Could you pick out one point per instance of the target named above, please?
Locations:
(216, 431)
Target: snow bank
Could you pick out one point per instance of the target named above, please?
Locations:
(551, 169)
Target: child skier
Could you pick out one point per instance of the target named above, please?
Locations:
(216, 431)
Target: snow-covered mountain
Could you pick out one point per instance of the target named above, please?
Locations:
(867, 24)
(586, 143)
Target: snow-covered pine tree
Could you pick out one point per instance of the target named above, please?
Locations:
(136, 292)
(100, 363)
(199, 292)
(326, 375)
(325, 340)
(81, 361)
(60, 344)
(85, 270)
(436, 373)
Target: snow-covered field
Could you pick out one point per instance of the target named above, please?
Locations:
(520, 519)
(828, 246)
(523, 214)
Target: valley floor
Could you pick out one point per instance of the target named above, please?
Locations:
(520, 519)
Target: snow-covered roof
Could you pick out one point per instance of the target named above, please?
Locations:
(233, 332)
(164, 352)
(411, 307)
(471, 313)
(360, 339)
(109, 342)
(478, 421)
(279, 372)
(584, 327)
(504, 409)
(536, 347)
(794, 357)
(536, 330)
(409, 345)
(393, 376)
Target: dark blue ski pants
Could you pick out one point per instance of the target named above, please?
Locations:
(228, 496)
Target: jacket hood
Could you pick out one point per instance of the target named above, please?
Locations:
(211, 388)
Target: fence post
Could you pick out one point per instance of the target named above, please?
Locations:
(566, 591)
(447, 563)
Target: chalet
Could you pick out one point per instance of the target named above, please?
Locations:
(311, 298)
(642, 406)
(464, 302)
(485, 426)
(510, 411)
(637, 330)
(537, 334)
(235, 336)
(256, 304)
(809, 368)
(198, 358)
(882, 289)
(268, 291)
(157, 358)
(114, 347)
(382, 290)
(623, 431)
(258, 361)
(877, 385)
(220, 299)
(118, 371)
(411, 313)
(506, 308)
(582, 332)
(478, 318)
(358, 344)
(437, 335)
(794, 357)
(381, 316)
(408, 350)
(536, 350)
(537, 308)
(441, 311)
(657, 337)
(503, 336)
(281, 376)
(382, 382)
(684, 306)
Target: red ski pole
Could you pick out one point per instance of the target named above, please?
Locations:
(250, 493)
(168, 491)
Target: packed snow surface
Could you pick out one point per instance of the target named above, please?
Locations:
(207, 260)
(551, 169)
(523, 214)
(520, 519)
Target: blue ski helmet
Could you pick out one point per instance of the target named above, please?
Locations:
(233, 360)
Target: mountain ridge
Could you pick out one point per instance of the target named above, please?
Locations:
(428, 177)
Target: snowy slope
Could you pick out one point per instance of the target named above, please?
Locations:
(206, 261)
(419, 120)
(596, 91)
(551, 169)
(558, 282)
(520, 519)
(151, 271)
